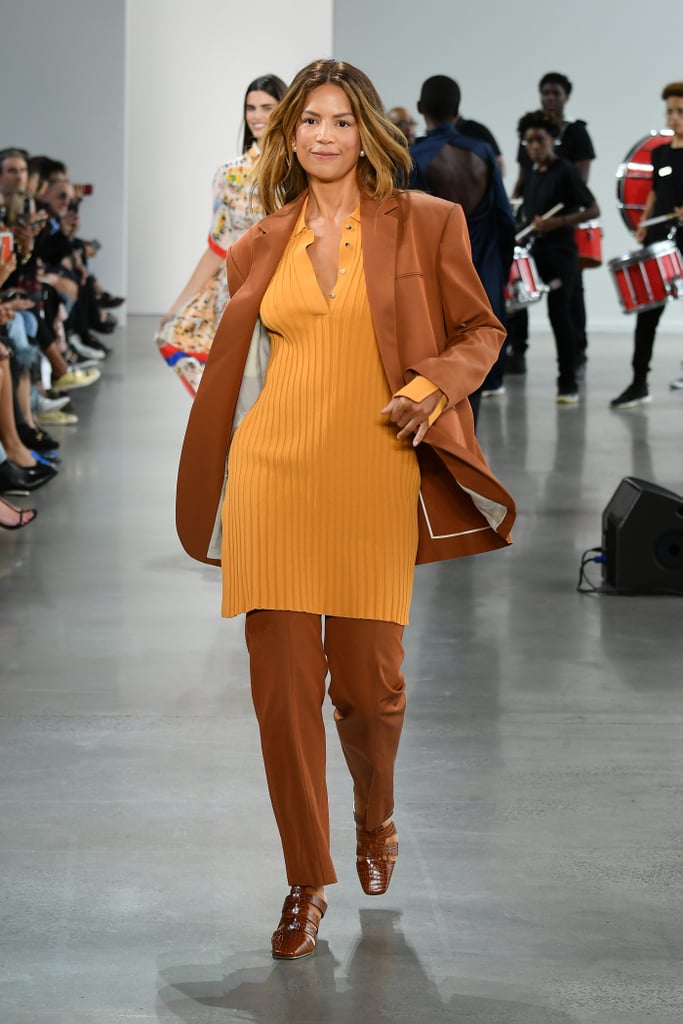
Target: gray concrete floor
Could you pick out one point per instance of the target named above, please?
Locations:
(539, 780)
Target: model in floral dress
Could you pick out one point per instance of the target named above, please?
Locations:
(187, 329)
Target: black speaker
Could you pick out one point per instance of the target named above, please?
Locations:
(642, 539)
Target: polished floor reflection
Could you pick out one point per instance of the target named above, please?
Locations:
(539, 779)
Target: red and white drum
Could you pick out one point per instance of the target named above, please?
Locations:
(634, 177)
(588, 238)
(524, 284)
(648, 277)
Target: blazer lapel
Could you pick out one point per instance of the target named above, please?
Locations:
(379, 232)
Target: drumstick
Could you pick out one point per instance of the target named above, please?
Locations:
(657, 220)
(544, 216)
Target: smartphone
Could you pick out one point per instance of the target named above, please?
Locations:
(6, 245)
(25, 215)
(74, 205)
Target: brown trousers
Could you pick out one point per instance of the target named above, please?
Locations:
(289, 663)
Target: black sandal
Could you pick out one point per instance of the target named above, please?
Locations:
(26, 516)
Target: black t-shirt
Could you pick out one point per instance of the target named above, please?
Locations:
(477, 131)
(560, 183)
(573, 144)
(667, 185)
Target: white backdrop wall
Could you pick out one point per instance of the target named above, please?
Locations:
(188, 67)
(617, 60)
(62, 84)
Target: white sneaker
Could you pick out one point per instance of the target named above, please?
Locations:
(677, 385)
(41, 404)
(493, 392)
(567, 398)
(79, 346)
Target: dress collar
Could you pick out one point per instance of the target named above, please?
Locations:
(301, 226)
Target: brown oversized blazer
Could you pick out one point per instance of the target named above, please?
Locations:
(431, 317)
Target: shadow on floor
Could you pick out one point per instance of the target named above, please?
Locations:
(384, 980)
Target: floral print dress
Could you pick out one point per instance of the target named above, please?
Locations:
(184, 341)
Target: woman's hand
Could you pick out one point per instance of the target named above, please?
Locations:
(412, 417)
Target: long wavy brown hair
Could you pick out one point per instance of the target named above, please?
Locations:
(386, 164)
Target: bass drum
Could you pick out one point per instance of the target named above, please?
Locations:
(634, 177)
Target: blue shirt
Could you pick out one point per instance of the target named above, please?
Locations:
(491, 224)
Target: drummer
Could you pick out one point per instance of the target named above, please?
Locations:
(665, 197)
(549, 182)
(574, 144)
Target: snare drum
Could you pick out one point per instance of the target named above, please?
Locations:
(588, 238)
(634, 177)
(524, 284)
(648, 277)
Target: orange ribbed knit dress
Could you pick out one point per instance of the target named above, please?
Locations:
(320, 509)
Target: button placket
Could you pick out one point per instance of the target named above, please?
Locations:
(345, 256)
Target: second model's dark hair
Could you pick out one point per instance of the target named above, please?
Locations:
(672, 89)
(556, 78)
(440, 98)
(539, 119)
(271, 84)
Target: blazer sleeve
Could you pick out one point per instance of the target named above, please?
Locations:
(474, 335)
(239, 259)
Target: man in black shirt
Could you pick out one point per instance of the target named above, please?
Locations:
(573, 143)
(555, 184)
(665, 197)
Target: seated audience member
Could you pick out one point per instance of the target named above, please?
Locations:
(12, 518)
(13, 171)
(24, 279)
(63, 254)
(20, 470)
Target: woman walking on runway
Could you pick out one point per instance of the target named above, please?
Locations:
(357, 458)
(187, 329)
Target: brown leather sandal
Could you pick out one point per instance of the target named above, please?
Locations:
(296, 933)
(376, 853)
